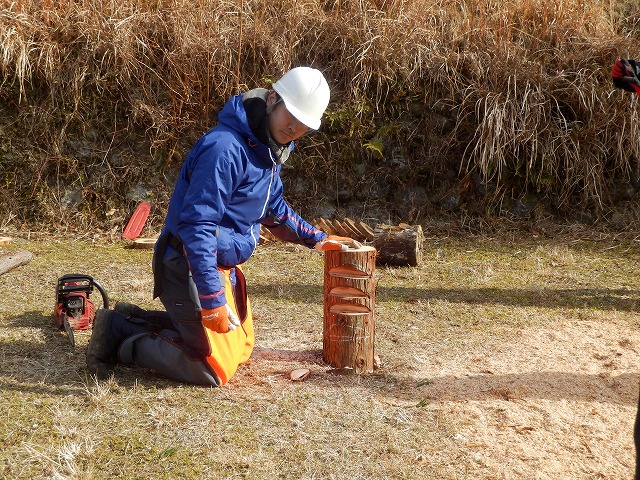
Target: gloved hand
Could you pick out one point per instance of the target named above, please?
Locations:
(220, 319)
(334, 242)
(626, 75)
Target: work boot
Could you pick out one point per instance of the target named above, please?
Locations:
(103, 346)
(110, 329)
(129, 310)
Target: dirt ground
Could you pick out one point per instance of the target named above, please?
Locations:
(549, 394)
(551, 404)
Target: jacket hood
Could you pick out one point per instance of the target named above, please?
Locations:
(236, 115)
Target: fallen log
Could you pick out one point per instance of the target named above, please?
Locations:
(399, 245)
(10, 261)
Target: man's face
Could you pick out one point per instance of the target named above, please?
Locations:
(283, 126)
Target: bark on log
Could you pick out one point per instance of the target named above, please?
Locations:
(399, 245)
(349, 308)
(13, 260)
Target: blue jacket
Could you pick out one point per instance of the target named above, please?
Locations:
(228, 185)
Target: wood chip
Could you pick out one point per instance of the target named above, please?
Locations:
(13, 260)
(5, 240)
(146, 243)
(377, 363)
(300, 374)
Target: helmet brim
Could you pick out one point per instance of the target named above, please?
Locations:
(312, 123)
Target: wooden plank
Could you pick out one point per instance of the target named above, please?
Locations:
(325, 226)
(339, 228)
(366, 234)
(350, 232)
(13, 260)
(354, 228)
(368, 230)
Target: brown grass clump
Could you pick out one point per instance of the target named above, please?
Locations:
(99, 96)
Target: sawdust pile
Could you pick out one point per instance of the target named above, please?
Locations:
(551, 404)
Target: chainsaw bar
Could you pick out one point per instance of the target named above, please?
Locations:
(137, 221)
(69, 330)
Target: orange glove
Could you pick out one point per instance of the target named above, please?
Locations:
(220, 319)
(333, 242)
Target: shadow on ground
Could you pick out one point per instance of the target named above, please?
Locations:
(602, 298)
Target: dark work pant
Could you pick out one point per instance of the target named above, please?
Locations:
(179, 296)
(177, 352)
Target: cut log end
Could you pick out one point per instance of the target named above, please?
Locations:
(144, 243)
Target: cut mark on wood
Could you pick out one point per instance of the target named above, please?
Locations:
(349, 309)
(347, 271)
(347, 292)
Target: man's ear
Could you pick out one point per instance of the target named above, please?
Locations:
(272, 98)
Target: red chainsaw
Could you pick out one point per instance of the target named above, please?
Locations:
(74, 308)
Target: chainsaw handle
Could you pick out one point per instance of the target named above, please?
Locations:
(105, 298)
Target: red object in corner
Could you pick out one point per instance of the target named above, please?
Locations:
(137, 221)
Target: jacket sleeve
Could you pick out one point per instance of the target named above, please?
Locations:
(213, 173)
(286, 224)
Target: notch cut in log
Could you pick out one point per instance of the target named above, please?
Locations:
(349, 308)
(347, 292)
(347, 271)
(13, 260)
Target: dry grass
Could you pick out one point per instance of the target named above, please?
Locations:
(502, 358)
(103, 95)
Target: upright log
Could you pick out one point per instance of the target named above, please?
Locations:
(349, 309)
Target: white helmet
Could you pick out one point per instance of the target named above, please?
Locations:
(305, 94)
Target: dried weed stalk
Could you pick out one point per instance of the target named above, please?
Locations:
(525, 85)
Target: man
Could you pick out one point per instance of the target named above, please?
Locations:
(228, 186)
(626, 75)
